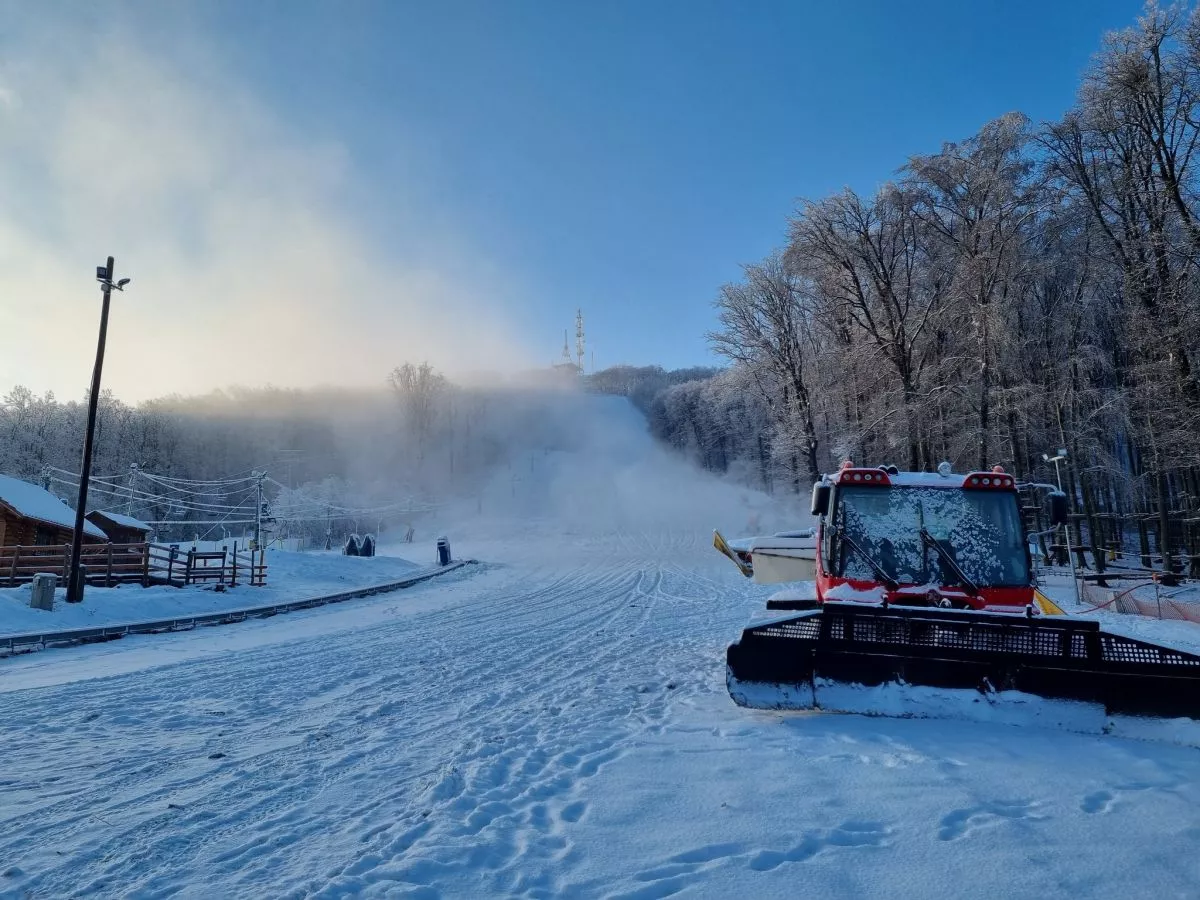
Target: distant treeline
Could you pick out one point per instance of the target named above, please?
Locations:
(418, 437)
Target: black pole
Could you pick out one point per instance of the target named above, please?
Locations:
(74, 582)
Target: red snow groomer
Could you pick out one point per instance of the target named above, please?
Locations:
(921, 603)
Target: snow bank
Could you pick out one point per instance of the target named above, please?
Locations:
(291, 576)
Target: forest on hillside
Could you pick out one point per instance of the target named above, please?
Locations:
(1029, 288)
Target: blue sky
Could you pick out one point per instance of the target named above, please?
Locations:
(627, 157)
(618, 156)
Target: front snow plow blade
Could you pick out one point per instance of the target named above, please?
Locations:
(926, 662)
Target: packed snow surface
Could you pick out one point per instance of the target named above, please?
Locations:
(555, 725)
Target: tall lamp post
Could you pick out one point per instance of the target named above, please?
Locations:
(1056, 459)
(104, 275)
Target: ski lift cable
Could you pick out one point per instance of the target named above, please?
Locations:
(202, 522)
(167, 480)
(225, 480)
(124, 494)
(218, 492)
(190, 484)
(222, 521)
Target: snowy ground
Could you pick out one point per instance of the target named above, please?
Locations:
(555, 725)
(291, 576)
(1177, 633)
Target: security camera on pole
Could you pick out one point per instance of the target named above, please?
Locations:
(75, 575)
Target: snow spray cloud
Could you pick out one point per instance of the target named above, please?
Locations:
(248, 265)
(583, 464)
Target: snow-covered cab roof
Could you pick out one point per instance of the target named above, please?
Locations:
(32, 502)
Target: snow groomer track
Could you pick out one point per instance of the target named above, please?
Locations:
(38, 640)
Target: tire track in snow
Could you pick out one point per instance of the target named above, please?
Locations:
(390, 756)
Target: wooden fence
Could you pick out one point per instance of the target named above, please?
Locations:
(145, 564)
(173, 565)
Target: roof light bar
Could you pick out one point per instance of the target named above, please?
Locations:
(989, 481)
(874, 477)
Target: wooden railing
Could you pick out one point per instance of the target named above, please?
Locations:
(178, 566)
(144, 564)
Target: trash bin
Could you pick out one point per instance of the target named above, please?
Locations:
(42, 591)
(443, 551)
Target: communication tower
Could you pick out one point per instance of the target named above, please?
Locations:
(579, 340)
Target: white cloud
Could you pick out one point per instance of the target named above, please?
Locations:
(247, 264)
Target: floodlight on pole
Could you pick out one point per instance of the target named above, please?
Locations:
(75, 575)
(1061, 455)
(1056, 459)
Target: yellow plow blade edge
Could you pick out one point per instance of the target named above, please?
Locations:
(1046, 605)
(721, 544)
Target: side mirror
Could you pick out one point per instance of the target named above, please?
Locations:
(1057, 501)
(820, 499)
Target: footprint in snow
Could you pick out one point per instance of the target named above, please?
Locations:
(1098, 802)
(961, 822)
(573, 812)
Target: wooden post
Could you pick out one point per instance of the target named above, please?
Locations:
(12, 574)
(224, 556)
(187, 573)
(146, 565)
(108, 580)
(233, 578)
(171, 564)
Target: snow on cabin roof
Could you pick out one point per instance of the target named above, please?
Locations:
(120, 520)
(32, 502)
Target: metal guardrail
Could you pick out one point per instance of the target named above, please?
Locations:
(13, 643)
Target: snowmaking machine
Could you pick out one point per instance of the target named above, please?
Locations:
(921, 603)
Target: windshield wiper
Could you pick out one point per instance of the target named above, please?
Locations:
(967, 583)
(887, 580)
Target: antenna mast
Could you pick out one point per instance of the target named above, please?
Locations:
(579, 341)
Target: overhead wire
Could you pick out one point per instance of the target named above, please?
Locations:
(125, 493)
(222, 498)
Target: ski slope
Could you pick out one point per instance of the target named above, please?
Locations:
(554, 726)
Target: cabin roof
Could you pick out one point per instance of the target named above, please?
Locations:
(32, 502)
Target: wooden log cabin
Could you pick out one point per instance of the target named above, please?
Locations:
(121, 529)
(31, 516)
